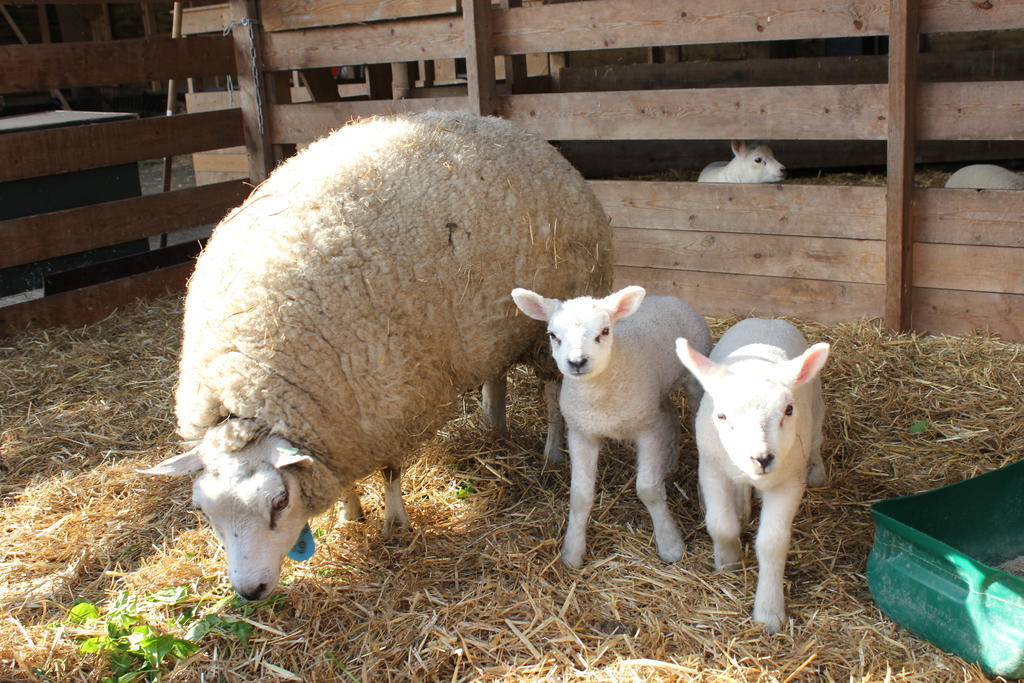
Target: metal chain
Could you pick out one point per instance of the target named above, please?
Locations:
(256, 80)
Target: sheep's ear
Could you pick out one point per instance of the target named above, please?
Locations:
(283, 456)
(186, 463)
(807, 365)
(696, 362)
(624, 302)
(534, 305)
(739, 148)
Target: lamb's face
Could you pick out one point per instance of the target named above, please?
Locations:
(757, 163)
(755, 419)
(251, 498)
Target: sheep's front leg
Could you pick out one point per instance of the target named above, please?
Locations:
(653, 456)
(492, 398)
(720, 512)
(394, 509)
(553, 452)
(778, 507)
(583, 451)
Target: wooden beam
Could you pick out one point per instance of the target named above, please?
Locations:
(303, 123)
(288, 15)
(970, 111)
(722, 295)
(374, 43)
(899, 235)
(479, 43)
(946, 311)
(321, 84)
(977, 217)
(982, 15)
(968, 268)
(516, 71)
(254, 96)
(92, 304)
(807, 210)
(44, 33)
(76, 148)
(205, 19)
(42, 66)
(824, 112)
(43, 236)
(378, 81)
(599, 24)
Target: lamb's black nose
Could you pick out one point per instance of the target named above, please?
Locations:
(254, 594)
(764, 461)
(577, 365)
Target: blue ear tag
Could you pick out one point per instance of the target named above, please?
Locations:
(304, 546)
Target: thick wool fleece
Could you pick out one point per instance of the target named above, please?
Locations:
(351, 298)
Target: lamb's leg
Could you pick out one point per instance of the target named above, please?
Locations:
(583, 451)
(720, 514)
(353, 509)
(492, 398)
(653, 456)
(778, 507)
(553, 452)
(394, 510)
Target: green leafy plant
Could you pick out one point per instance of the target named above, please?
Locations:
(464, 491)
(919, 427)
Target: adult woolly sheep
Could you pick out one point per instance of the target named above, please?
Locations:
(335, 316)
(986, 177)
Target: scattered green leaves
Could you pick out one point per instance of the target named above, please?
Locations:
(919, 427)
(465, 491)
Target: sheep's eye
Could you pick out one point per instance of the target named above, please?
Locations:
(280, 502)
(789, 409)
(553, 337)
(605, 332)
(758, 160)
(721, 416)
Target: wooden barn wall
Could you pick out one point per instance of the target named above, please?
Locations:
(936, 260)
(35, 154)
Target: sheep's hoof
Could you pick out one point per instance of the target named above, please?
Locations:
(673, 554)
(572, 557)
(554, 456)
(395, 525)
(771, 618)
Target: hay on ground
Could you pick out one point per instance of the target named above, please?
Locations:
(476, 590)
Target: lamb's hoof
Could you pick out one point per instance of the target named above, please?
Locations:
(673, 554)
(554, 456)
(771, 620)
(572, 557)
(817, 478)
(396, 525)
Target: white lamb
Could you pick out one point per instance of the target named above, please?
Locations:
(618, 371)
(986, 177)
(751, 163)
(759, 425)
(334, 318)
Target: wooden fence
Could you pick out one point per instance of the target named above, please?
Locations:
(931, 259)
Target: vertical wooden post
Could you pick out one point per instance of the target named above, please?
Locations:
(378, 81)
(476, 17)
(899, 224)
(252, 91)
(515, 65)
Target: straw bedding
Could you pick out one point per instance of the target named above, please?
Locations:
(476, 590)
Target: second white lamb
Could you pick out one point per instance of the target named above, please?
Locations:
(616, 358)
(759, 425)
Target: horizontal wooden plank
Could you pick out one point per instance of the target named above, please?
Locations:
(62, 65)
(205, 19)
(946, 311)
(826, 112)
(601, 24)
(812, 210)
(971, 111)
(303, 123)
(979, 217)
(812, 258)
(34, 238)
(92, 304)
(982, 15)
(76, 148)
(284, 15)
(375, 43)
(969, 268)
(720, 295)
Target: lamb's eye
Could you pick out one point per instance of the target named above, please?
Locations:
(758, 160)
(280, 502)
(605, 332)
(789, 409)
(553, 337)
(721, 416)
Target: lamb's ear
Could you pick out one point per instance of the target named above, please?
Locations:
(702, 367)
(739, 148)
(283, 456)
(186, 463)
(534, 305)
(624, 302)
(807, 365)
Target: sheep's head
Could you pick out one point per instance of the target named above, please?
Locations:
(582, 329)
(250, 496)
(755, 163)
(755, 415)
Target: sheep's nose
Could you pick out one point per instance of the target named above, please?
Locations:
(764, 461)
(255, 593)
(577, 364)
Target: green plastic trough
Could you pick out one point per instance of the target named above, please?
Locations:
(932, 567)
